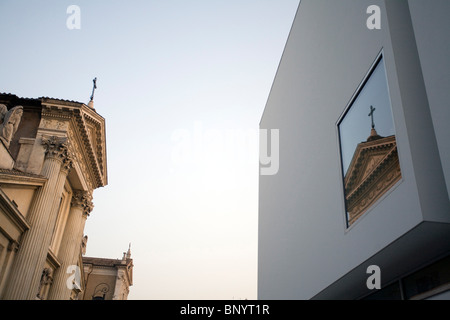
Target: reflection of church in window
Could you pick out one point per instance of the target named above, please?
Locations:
(373, 170)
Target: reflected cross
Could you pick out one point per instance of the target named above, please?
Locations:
(372, 109)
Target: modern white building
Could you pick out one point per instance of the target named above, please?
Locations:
(361, 102)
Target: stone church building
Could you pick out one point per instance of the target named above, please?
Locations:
(108, 279)
(52, 158)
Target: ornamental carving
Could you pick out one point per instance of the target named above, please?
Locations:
(375, 169)
(58, 148)
(83, 200)
(54, 124)
(84, 245)
(10, 121)
(77, 154)
(45, 282)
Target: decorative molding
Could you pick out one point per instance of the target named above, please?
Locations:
(29, 141)
(92, 156)
(77, 153)
(363, 153)
(373, 188)
(97, 140)
(374, 169)
(54, 124)
(13, 214)
(76, 119)
(53, 260)
(18, 178)
(56, 112)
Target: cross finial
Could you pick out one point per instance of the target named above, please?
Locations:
(372, 110)
(93, 89)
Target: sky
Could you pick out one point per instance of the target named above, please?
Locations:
(182, 85)
(356, 125)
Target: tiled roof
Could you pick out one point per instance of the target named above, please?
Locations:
(16, 97)
(62, 100)
(38, 99)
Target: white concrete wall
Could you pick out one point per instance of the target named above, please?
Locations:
(432, 31)
(304, 245)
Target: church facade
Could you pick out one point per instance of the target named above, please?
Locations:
(108, 279)
(52, 158)
(359, 208)
(374, 169)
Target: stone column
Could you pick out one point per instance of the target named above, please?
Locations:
(32, 254)
(120, 284)
(71, 243)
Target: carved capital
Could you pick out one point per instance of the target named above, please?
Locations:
(58, 148)
(83, 199)
(13, 246)
(67, 164)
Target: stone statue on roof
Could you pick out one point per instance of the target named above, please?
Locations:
(3, 112)
(11, 120)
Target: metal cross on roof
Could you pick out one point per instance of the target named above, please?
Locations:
(93, 89)
(372, 110)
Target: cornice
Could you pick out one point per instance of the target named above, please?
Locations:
(57, 112)
(373, 188)
(19, 178)
(99, 124)
(89, 152)
(374, 169)
(53, 260)
(59, 117)
(60, 102)
(361, 155)
(390, 158)
(79, 115)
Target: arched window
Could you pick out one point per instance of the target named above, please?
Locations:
(100, 291)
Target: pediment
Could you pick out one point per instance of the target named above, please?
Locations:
(368, 157)
(370, 164)
(81, 125)
(92, 133)
(95, 142)
(86, 131)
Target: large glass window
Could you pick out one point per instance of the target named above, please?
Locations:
(422, 284)
(430, 278)
(391, 292)
(369, 158)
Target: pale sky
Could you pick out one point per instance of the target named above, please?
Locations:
(182, 85)
(356, 126)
